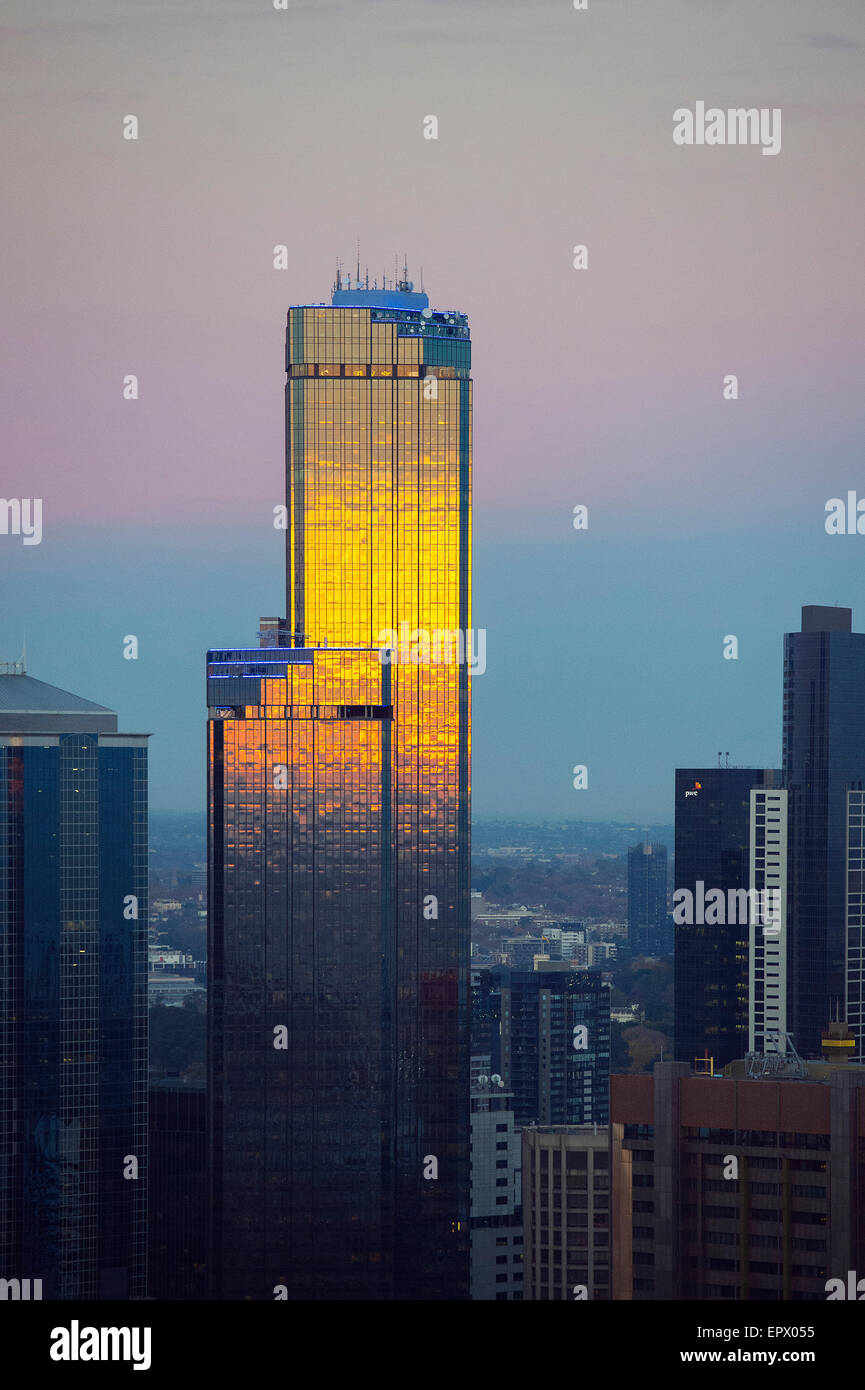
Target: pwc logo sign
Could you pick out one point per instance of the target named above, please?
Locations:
(695, 791)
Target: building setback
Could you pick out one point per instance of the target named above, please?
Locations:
(73, 994)
(339, 834)
(737, 1188)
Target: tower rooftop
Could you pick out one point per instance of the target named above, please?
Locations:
(401, 298)
(28, 705)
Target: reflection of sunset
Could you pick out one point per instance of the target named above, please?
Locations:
(340, 807)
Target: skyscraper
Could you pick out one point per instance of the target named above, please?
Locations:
(73, 994)
(711, 958)
(823, 761)
(549, 1033)
(339, 833)
(647, 898)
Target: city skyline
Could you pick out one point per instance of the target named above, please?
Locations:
(701, 262)
(437, 431)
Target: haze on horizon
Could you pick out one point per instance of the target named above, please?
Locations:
(599, 387)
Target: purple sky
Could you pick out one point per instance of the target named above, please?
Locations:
(304, 127)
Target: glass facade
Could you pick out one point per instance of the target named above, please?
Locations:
(177, 1190)
(824, 758)
(558, 1074)
(711, 960)
(339, 835)
(73, 1012)
(647, 899)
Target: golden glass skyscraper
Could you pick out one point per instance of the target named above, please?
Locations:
(339, 832)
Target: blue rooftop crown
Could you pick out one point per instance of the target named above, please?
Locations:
(380, 299)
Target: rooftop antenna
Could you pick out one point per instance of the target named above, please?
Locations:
(367, 277)
(357, 281)
(719, 759)
(727, 756)
(338, 284)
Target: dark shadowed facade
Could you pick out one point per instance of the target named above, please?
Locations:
(73, 995)
(823, 760)
(711, 960)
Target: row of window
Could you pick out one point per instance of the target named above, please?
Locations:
(367, 369)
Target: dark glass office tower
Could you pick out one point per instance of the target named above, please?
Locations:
(339, 834)
(824, 758)
(177, 1207)
(647, 898)
(73, 994)
(549, 1031)
(711, 960)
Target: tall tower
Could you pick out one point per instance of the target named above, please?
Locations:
(711, 968)
(647, 897)
(824, 760)
(73, 994)
(339, 833)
